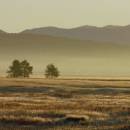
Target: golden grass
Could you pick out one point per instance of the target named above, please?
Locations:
(88, 82)
(39, 104)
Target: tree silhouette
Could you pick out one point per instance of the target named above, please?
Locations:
(15, 69)
(20, 69)
(26, 68)
(51, 71)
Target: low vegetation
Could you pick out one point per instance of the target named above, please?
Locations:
(61, 105)
(20, 69)
(24, 69)
(51, 71)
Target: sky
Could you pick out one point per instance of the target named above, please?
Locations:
(17, 15)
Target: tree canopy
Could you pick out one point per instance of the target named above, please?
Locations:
(20, 69)
(51, 71)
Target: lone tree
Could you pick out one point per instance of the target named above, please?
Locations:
(51, 71)
(15, 69)
(20, 69)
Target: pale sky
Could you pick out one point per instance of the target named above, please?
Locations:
(17, 15)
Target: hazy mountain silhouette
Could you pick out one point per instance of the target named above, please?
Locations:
(1, 31)
(72, 56)
(115, 34)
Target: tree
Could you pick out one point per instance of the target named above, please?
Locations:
(15, 69)
(51, 71)
(26, 68)
(20, 69)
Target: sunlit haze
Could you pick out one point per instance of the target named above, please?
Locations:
(17, 15)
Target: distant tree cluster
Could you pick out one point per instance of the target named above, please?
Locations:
(51, 71)
(24, 69)
(20, 69)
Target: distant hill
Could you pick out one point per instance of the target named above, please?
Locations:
(114, 34)
(1, 31)
(25, 45)
(72, 56)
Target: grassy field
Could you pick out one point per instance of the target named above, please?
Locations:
(64, 104)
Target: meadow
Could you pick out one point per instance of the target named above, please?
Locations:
(64, 104)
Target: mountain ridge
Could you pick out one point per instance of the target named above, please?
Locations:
(83, 26)
(106, 34)
(109, 33)
(72, 56)
(1, 31)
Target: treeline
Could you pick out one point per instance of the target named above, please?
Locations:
(24, 69)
